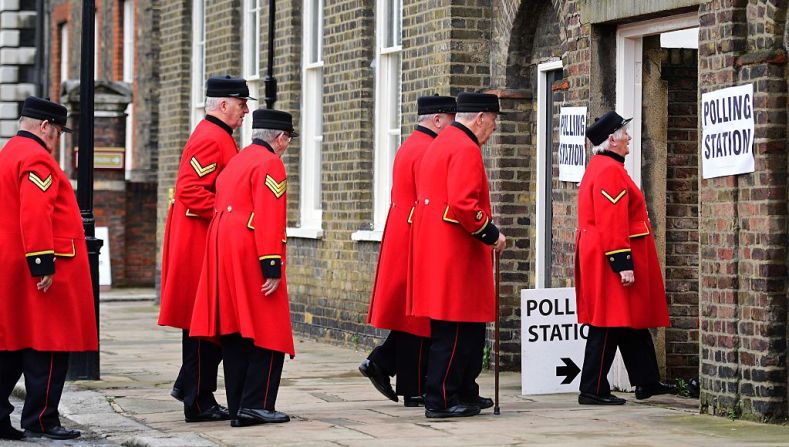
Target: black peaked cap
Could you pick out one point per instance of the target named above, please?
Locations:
(273, 119)
(227, 87)
(478, 102)
(427, 105)
(45, 110)
(605, 126)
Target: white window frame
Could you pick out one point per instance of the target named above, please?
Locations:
(63, 77)
(198, 62)
(629, 90)
(250, 62)
(543, 128)
(388, 85)
(310, 207)
(128, 77)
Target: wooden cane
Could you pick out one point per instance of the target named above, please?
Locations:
(496, 339)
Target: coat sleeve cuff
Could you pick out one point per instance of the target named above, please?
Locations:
(41, 264)
(488, 234)
(271, 266)
(620, 260)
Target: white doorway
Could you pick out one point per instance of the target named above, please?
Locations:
(675, 31)
(547, 73)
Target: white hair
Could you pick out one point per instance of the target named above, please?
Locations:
(267, 135)
(423, 118)
(467, 116)
(602, 147)
(212, 103)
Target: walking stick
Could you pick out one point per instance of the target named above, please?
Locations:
(496, 338)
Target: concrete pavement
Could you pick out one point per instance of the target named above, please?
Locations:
(331, 404)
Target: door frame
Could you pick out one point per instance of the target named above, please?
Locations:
(629, 58)
(542, 153)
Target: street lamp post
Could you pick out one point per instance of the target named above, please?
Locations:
(270, 82)
(85, 365)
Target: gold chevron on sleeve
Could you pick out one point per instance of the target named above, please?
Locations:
(613, 199)
(201, 170)
(278, 188)
(42, 184)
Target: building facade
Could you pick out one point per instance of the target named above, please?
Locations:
(126, 124)
(350, 72)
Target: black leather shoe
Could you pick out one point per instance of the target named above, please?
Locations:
(7, 431)
(379, 379)
(254, 416)
(177, 394)
(647, 391)
(215, 413)
(413, 401)
(56, 432)
(593, 399)
(479, 401)
(456, 411)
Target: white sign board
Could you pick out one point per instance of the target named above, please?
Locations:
(552, 341)
(572, 149)
(105, 273)
(727, 131)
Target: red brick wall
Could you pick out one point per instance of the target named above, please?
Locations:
(680, 71)
(140, 256)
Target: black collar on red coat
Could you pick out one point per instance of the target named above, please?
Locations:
(467, 130)
(220, 123)
(26, 134)
(613, 155)
(260, 142)
(425, 130)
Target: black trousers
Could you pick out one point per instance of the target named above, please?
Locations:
(252, 374)
(404, 355)
(638, 354)
(197, 377)
(454, 363)
(45, 375)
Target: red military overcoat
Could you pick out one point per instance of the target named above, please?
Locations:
(387, 303)
(41, 233)
(450, 268)
(207, 152)
(614, 234)
(246, 245)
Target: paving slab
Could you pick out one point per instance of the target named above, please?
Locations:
(331, 404)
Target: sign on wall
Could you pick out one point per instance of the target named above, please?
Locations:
(572, 150)
(105, 272)
(727, 131)
(552, 341)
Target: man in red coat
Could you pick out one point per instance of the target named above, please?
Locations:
(450, 262)
(618, 281)
(404, 352)
(242, 297)
(207, 152)
(46, 307)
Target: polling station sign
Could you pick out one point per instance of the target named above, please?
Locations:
(727, 132)
(572, 151)
(552, 341)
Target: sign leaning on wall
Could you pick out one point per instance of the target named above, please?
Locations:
(572, 149)
(727, 132)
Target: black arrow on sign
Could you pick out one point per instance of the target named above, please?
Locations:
(569, 370)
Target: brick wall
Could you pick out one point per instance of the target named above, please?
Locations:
(17, 59)
(140, 234)
(742, 227)
(174, 98)
(680, 71)
(146, 91)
